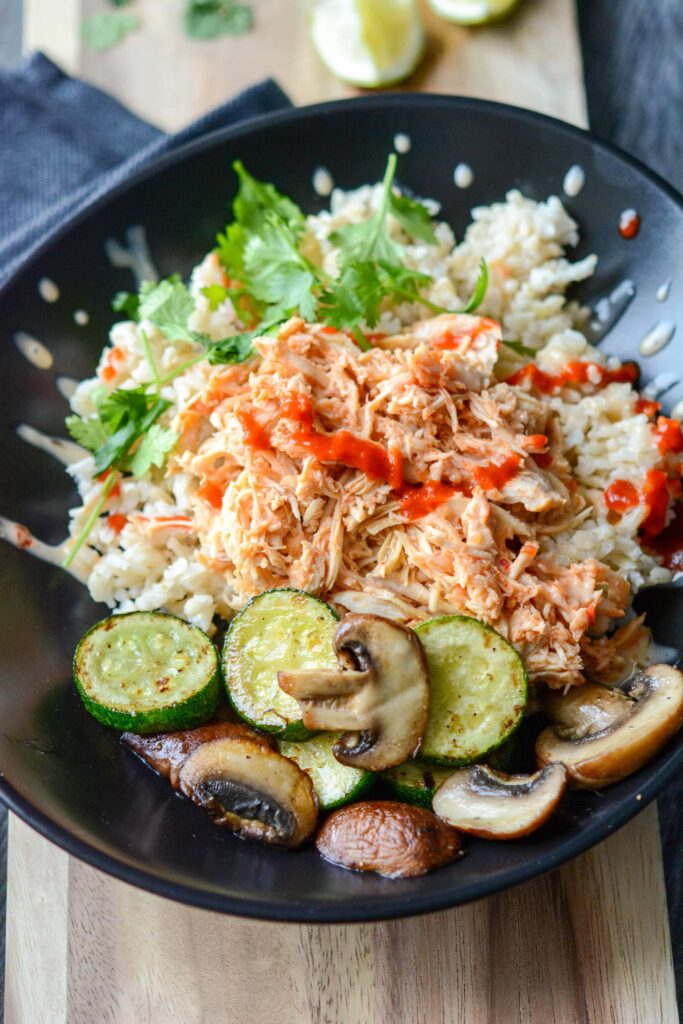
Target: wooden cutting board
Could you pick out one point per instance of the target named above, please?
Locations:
(588, 943)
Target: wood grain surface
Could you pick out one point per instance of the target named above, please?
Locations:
(587, 944)
(532, 60)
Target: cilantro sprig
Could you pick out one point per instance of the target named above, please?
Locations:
(261, 248)
(123, 436)
(209, 19)
(271, 278)
(104, 30)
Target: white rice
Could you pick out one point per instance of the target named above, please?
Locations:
(524, 243)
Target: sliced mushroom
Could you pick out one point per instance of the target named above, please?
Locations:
(485, 803)
(396, 840)
(252, 790)
(604, 735)
(167, 752)
(381, 704)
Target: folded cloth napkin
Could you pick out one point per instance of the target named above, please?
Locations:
(65, 142)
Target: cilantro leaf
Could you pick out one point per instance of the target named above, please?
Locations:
(479, 292)
(370, 239)
(90, 433)
(215, 294)
(128, 303)
(208, 19)
(102, 31)
(152, 450)
(122, 418)
(169, 305)
(236, 348)
(261, 248)
(413, 217)
(278, 274)
(256, 203)
(520, 348)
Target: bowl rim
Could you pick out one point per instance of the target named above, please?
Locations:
(384, 906)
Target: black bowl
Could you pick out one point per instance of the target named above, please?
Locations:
(68, 776)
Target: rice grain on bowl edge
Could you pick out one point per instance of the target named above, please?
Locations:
(552, 567)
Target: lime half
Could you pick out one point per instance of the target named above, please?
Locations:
(473, 12)
(369, 43)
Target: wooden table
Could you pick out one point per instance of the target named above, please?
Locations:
(587, 943)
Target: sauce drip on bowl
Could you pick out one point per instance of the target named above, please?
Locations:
(629, 224)
(669, 543)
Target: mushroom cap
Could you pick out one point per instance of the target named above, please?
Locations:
(167, 752)
(604, 736)
(396, 840)
(485, 803)
(252, 790)
(381, 704)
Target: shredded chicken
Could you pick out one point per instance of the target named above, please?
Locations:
(269, 513)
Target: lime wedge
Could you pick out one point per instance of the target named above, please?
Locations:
(369, 43)
(473, 12)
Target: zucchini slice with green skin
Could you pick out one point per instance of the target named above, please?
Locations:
(334, 783)
(478, 690)
(148, 672)
(415, 782)
(280, 630)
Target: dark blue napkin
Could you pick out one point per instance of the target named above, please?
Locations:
(64, 142)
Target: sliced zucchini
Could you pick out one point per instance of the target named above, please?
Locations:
(415, 782)
(478, 690)
(280, 630)
(334, 783)
(148, 672)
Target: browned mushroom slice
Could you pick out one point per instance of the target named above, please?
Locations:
(604, 735)
(393, 839)
(485, 803)
(167, 752)
(381, 704)
(252, 790)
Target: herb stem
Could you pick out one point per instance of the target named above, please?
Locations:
(425, 302)
(147, 349)
(381, 215)
(96, 511)
(181, 369)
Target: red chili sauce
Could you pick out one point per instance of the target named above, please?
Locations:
(116, 522)
(420, 499)
(668, 434)
(494, 477)
(371, 458)
(669, 543)
(255, 435)
(343, 446)
(656, 494)
(629, 224)
(449, 340)
(646, 406)
(211, 493)
(621, 495)
(575, 372)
